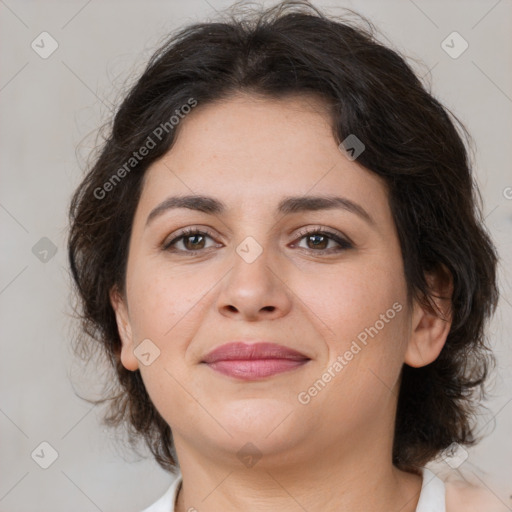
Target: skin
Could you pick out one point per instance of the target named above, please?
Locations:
(465, 496)
(334, 453)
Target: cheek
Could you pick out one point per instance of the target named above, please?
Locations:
(166, 309)
(166, 302)
(364, 316)
(353, 296)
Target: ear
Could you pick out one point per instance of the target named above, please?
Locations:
(128, 359)
(430, 328)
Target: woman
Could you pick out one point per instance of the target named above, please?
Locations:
(280, 250)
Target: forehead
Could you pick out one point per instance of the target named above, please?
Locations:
(254, 151)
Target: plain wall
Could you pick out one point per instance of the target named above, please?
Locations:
(50, 106)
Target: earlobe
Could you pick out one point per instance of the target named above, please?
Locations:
(430, 327)
(128, 359)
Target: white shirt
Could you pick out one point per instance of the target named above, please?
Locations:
(432, 496)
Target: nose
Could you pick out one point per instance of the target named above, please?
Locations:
(254, 289)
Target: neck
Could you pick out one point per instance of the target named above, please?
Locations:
(335, 480)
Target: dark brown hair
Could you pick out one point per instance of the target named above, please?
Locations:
(411, 141)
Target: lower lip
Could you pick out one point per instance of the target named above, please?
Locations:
(255, 368)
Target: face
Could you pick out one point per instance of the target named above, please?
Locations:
(253, 272)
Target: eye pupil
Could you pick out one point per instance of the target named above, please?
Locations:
(315, 243)
(194, 244)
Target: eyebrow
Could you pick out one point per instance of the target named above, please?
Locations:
(288, 205)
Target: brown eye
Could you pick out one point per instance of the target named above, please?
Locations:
(188, 241)
(318, 241)
(193, 242)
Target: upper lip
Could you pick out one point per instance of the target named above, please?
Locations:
(239, 350)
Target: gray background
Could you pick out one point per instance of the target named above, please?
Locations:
(50, 110)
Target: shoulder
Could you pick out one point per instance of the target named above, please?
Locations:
(465, 497)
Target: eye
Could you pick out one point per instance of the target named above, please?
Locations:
(191, 239)
(317, 240)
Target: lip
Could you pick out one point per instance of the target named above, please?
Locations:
(253, 361)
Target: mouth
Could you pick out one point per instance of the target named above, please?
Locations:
(254, 361)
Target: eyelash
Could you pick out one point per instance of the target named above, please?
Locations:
(343, 243)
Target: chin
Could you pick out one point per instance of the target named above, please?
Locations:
(247, 432)
(251, 448)
(266, 421)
